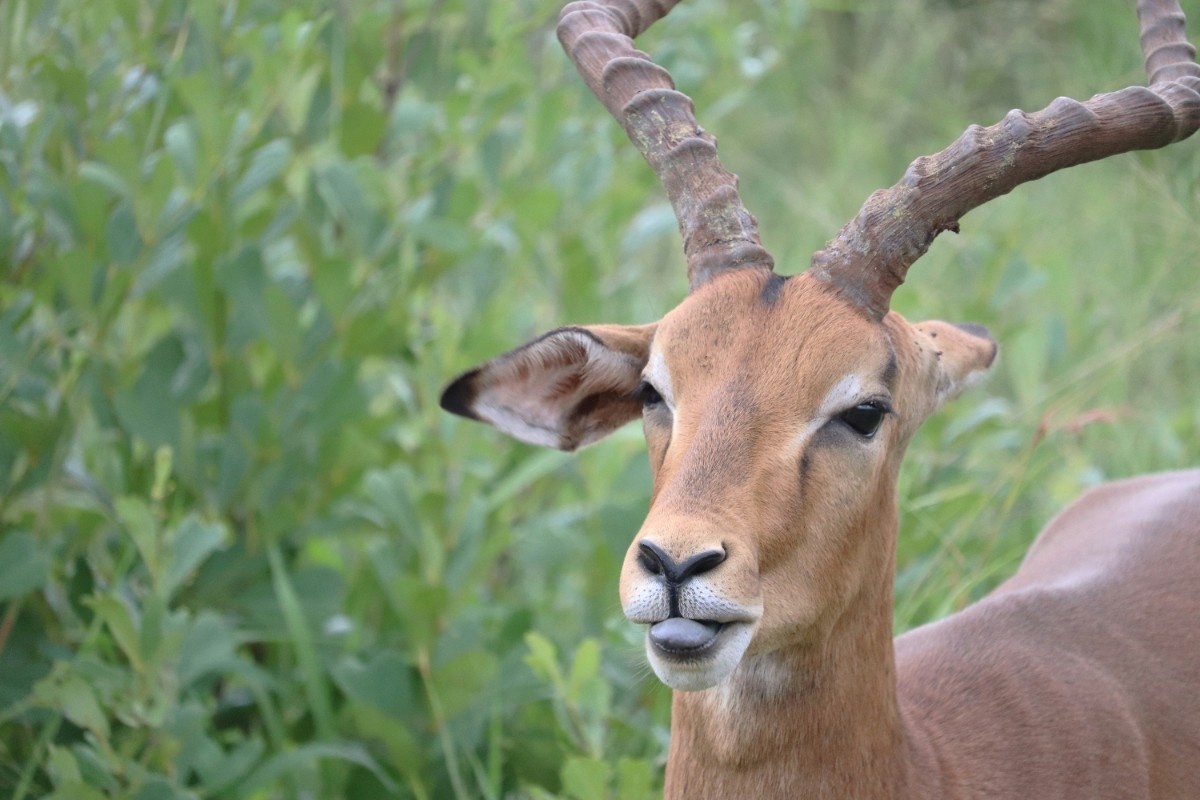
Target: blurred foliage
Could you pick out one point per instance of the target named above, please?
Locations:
(243, 554)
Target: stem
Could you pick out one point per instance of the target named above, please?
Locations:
(10, 618)
(439, 718)
(48, 733)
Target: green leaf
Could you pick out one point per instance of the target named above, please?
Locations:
(104, 175)
(543, 658)
(636, 780)
(243, 276)
(403, 748)
(181, 144)
(152, 407)
(202, 94)
(139, 523)
(190, 544)
(586, 778)
(234, 764)
(267, 164)
(299, 93)
(121, 625)
(69, 694)
(302, 641)
(584, 669)
(531, 470)
(217, 765)
(160, 789)
(209, 646)
(303, 757)
(340, 189)
(61, 765)
(363, 127)
(383, 683)
(389, 493)
(163, 259)
(76, 791)
(462, 682)
(24, 565)
(590, 695)
(124, 240)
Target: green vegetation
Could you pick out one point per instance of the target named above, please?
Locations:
(244, 244)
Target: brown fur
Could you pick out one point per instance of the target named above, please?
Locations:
(1078, 678)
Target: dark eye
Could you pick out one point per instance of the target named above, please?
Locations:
(864, 418)
(647, 394)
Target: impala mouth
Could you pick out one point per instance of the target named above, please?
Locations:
(695, 654)
(684, 638)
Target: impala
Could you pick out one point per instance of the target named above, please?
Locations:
(776, 412)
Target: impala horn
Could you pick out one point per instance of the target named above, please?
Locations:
(872, 253)
(718, 232)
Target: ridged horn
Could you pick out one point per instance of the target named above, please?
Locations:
(871, 255)
(718, 232)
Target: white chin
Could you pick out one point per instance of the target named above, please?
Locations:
(706, 669)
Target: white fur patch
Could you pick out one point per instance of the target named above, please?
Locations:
(761, 676)
(844, 394)
(513, 421)
(659, 376)
(649, 602)
(699, 674)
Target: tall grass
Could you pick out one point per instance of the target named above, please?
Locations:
(243, 554)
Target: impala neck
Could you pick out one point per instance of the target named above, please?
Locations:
(814, 720)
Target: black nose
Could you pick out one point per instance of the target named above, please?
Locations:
(656, 561)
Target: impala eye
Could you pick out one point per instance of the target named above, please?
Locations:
(647, 394)
(864, 418)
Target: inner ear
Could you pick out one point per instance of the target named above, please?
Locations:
(565, 389)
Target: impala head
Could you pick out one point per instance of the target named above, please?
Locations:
(776, 410)
(775, 413)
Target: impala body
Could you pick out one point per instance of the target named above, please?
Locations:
(776, 413)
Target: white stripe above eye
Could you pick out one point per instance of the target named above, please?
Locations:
(846, 392)
(657, 375)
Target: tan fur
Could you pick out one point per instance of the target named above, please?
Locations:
(1078, 678)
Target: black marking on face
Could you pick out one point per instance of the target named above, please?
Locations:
(891, 370)
(772, 288)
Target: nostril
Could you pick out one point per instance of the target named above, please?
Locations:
(701, 563)
(651, 557)
(657, 561)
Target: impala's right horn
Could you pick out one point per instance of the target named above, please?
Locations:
(872, 253)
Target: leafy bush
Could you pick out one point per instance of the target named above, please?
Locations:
(243, 554)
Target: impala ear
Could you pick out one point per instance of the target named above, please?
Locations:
(565, 389)
(964, 353)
